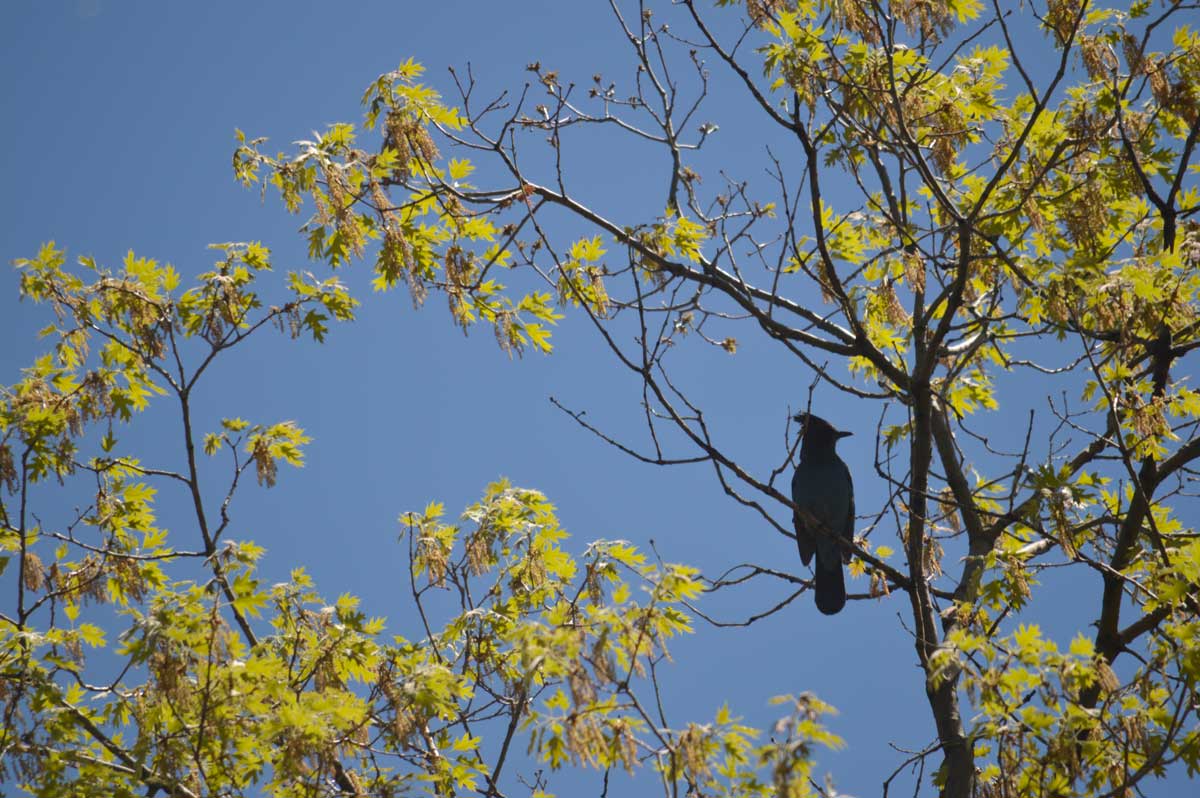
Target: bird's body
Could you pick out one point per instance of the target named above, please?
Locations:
(823, 493)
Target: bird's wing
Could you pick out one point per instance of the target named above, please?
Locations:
(823, 491)
(847, 530)
(804, 535)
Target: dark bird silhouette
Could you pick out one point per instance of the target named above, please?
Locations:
(824, 496)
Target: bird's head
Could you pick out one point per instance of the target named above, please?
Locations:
(817, 431)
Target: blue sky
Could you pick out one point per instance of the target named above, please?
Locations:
(119, 121)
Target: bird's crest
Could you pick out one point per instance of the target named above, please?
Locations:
(818, 425)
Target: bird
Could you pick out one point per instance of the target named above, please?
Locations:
(823, 493)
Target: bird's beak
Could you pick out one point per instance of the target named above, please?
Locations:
(844, 434)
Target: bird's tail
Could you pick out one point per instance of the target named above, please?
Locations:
(830, 585)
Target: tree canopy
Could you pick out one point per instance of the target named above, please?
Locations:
(963, 203)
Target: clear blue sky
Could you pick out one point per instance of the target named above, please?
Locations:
(118, 132)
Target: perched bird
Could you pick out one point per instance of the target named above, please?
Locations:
(824, 495)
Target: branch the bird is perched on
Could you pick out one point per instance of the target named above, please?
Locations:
(823, 493)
